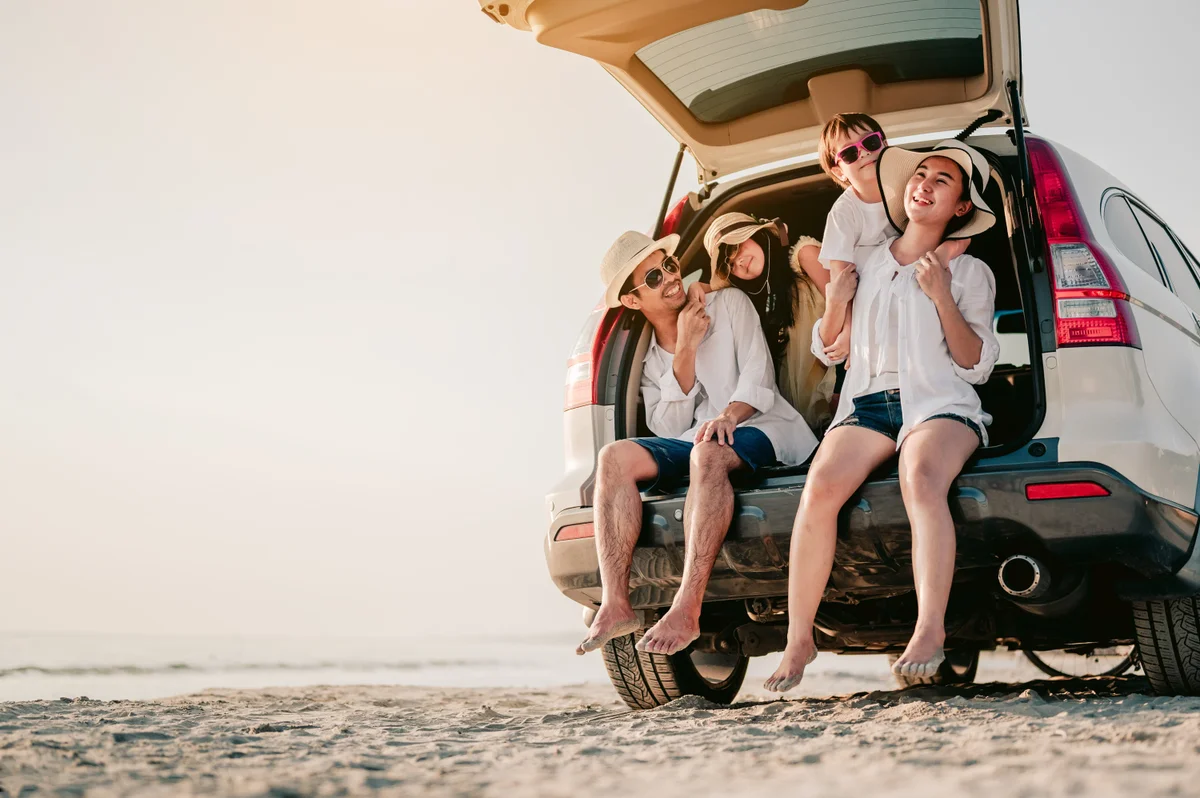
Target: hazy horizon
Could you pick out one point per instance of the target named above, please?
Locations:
(291, 288)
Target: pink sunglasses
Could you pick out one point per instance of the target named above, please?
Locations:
(872, 142)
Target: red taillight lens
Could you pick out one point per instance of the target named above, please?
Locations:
(583, 364)
(576, 532)
(1064, 490)
(671, 220)
(1091, 306)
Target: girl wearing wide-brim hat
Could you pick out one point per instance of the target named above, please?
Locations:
(921, 338)
(751, 254)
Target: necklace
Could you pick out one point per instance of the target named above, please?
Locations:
(766, 275)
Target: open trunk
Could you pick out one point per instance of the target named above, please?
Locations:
(802, 198)
(743, 83)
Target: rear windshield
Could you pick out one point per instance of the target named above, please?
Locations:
(737, 66)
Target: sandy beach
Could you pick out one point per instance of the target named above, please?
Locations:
(1082, 737)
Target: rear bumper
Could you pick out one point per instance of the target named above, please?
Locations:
(1150, 538)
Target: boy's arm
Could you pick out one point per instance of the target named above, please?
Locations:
(838, 294)
(839, 350)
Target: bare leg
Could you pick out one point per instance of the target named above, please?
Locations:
(843, 462)
(706, 522)
(933, 454)
(620, 467)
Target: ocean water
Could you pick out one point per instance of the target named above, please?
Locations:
(40, 666)
(106, 667)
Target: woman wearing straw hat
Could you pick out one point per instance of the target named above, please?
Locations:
(751, 254)
(921, 337)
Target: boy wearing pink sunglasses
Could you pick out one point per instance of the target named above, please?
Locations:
(849, 150)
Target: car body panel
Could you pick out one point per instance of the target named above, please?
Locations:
(993, 519)
(1102, 407)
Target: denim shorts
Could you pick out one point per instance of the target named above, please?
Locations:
(881, 412)
(673, 456)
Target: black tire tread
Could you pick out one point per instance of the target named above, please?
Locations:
(645, 681)
(1168, 638)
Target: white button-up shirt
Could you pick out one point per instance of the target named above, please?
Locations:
(931, 382)
(733, 364)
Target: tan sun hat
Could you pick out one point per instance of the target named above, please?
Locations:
(630, 249)
(897, 165)
(733, 229)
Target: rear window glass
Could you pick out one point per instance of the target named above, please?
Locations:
(737, 66)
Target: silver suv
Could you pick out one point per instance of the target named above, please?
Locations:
(1077, 523)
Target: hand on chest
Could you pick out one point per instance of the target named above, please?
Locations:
(907, 285)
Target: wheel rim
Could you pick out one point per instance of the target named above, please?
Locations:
(961, 662)
(1099, 661)
(714, 668)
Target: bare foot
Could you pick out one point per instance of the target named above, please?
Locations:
(673, 633)
(922, 656)
(796, 657)
(608, 624)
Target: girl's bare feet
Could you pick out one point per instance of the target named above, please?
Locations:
(796, 657)
(923, 655)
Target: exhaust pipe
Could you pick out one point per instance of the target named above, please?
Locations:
(1024, 577)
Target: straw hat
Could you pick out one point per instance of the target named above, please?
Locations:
(897, 165)
(733, 229)
(630, 249)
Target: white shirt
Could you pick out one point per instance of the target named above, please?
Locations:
(732, 365)
(852, 223)
(884, 335)
(931, 382)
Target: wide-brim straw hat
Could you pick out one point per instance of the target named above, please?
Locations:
(630, 249)
(733, 229)
(897, 165)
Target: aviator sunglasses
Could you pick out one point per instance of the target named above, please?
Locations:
(654, 277)
(872, 142)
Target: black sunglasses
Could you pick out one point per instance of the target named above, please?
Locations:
(654, 277)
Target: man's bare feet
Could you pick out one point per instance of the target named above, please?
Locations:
(796, 657)
(922, 656)
(608, 624)
(673, 633)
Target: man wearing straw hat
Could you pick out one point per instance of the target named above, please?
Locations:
(709, 389)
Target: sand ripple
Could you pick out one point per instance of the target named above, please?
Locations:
(1086, 737)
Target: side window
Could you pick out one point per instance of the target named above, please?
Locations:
(1173, 261)
(1125, 232)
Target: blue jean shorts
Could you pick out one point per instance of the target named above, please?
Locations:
(673, 456)
(881, 412)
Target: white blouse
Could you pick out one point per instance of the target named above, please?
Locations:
(733, 364)
(931, 382)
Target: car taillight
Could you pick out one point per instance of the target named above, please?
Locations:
(1064, 490)
(576, 532)
(583, 364)
(1091, 306)
(671, 220)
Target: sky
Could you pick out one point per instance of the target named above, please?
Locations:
(289, 287)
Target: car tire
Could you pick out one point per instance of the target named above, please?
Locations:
(959, 667)
(646, 681)
(1168, 644)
